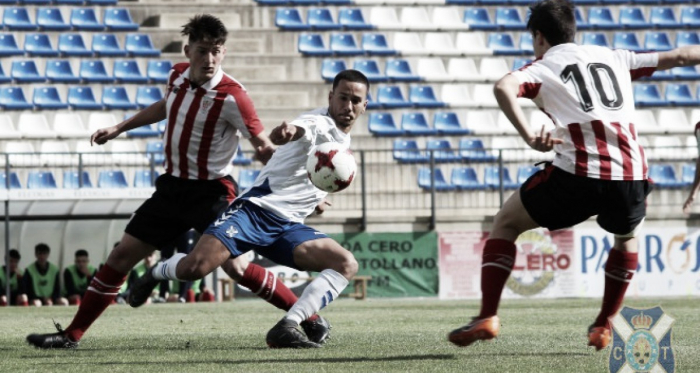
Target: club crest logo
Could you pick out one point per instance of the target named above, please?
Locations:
(641, 341)
(206, 105)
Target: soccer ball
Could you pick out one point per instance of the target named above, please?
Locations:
(331, 167)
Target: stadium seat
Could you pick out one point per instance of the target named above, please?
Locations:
(492, 178)
(440, 43)
(25, 71)
(659, 75)
(408, 43)
(493, 68)
(406, 151)
(448, 18)
(72, 45)
(92, 155)
(12, 98)
(72, 181)
(115, 97)
(595, 38)
(657, 41)
(140, 45)
(687, 174)
(390, 96)
(416, 18)
(382, 124)
(48, 98)
(39, 45)
(432, 69)
(127, 152)
(85, 19)
(289, 19)
(685, 73)
(56, 153)
(147, 95)
(14, 180)
(94, 71)
(101, 2)
(272, 2)
(150, 130)
(442, 151)
(633, 18)
(627, 40)
(155, 150)
(112, 179)
(107, 45)
(60, 71)
(321, 19)
(119, 19)
(690, 17)
(51, 19)
(464, 178)
(509, 19)
(344, 44)
(158, 71)
(4, 78)
(241, 159)
(525, 44)
(35, 2)
(416, 124)
(371, 70)
(371, 104)
(472, 150)
(687, 38)
(524, 173)
(9, 46)
(447, 123)
(456, 95)
(41, 180)
(34, 126)
(483, 95)
(463, 69)
(502, 44)
(425, 180)
(601, 18)
(679, 94)
(128, 71)
(246, 179)
(312, 44)
(331, 67)
(471, 43)
(22, 154)
(145, 178)
(69, 125)
(479, 19)
(336, 2)
(581, 23)
(17, 19)
(423, 96)
(663, 17)
(648, 95)
(674, 121)
(461, 2)
(376, 44)
(7, 128)
(400, 70)
(518, 63)
(384, 18)
(353, 19)
(664, 176)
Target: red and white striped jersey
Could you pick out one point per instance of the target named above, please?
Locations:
(587, 91)
(697, 136)
(205, 124)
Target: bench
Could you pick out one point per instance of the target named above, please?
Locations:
(359, 284)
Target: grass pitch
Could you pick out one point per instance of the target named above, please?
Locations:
(377, 335)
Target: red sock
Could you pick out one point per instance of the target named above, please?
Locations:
(190, 296)
(206, 296)
(265, 285)
(24, 303)
(103, 289)
(74, 302)
(496, 264)
(3, 303)
(619, 271)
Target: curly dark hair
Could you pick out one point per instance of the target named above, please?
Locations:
(205, 27)
(554, 19)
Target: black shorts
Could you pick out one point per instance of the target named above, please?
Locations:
(179, 205)
(556, 199)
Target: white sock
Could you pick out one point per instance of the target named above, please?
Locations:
(317, 295)
(166, 270)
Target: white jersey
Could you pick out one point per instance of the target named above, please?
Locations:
(283, 186)
(587, 92)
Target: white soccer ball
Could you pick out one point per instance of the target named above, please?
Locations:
(331, 167)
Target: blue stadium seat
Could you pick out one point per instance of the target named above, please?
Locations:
(17, 19)
(461, 2)
(627, 40)
(289, 19)
(472, 150)
(246, 179)
(41, 180)
(14, 180)
(690, 17)
(353, 19)
(321, 19)
(425, 176)
(371, 70)
(509, 19)
(685, 73)
(581, 23)
(51, 19)
(657, 41)
(48, 98)
(479, 19)
(502, 44)
(68, 2)
(518, 63)
(382, 124)
(119, 19)
(679, 94)
(145, 178)
(305, 2)
(684, 38)
(60, 71)
(155, 149)
(423, 96)
(35, 2)
(687, 174)
(39, 45)
(115, 97)
(128, 71)
(525, 45)
(400, 70)
(660, 75)
(337, 2)
(376, 44)
(447, 123)
(633, 18)
(664, 176)
(147, 95)
(344, 44)
(4, 78)
(524, 173)
(648, 95)
(158, 71)
(12, 98)
(331, 67)
(9, 46)
(107, 45)
(406, 151)
(101, 2)
(492, 178)
(416, 124)
(390, 96)
(140, 45)
(371, 104)
(94, 71)
(601, 18)
(112, 179)
(150, 130)
(595, 38)
(272, 2)
(82, 98)
(464, 178)
(71, 180)
(313, 45)
(241, 159)
(73, 45)
(442, 151)
(663, 17)
(85, 19)
(25, 71)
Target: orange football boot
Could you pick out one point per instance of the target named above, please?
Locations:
(478, 329)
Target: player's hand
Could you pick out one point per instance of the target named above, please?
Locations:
(321, 207)
(101, 136)
(688, 204)
(543, 142)
(264, 153)
(285, 133)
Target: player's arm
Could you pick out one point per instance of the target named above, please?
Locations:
(263, 147)
(285, 133)
(694, 189)
(683, 56)
(152, 114)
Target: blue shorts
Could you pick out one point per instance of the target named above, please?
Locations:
(245, 226)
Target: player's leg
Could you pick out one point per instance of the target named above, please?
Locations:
(3, 301)
(22, 300)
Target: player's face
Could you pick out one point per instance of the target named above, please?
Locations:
(82, 262)
(42, 258)
(205, 60)
(13, 264)
(346, 103)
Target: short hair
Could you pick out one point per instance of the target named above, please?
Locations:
(554, 19)
(205, 27)
(14, 254)
(81, 252)
(351, 76)
(42, 248)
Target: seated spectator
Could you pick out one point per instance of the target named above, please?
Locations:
(15, 281)
(41, 281)
(76, 277)
(197, 291)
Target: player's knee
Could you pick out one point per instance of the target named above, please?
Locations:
(235, 269)
(348, 266)
(191, 270)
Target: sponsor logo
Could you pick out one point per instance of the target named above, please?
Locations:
(641, 341)
(538, 259)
